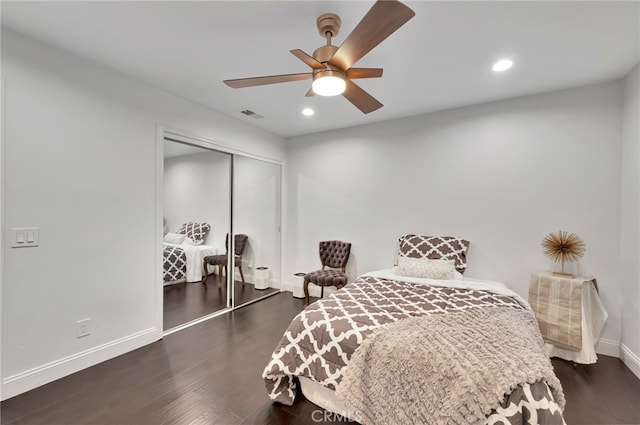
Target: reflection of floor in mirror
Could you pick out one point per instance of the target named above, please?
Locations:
(188, 301)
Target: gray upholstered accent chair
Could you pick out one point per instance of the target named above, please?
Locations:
(333, 255)
(240, 242)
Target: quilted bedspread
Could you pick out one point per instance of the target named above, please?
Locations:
(321, 340)
(174, 262)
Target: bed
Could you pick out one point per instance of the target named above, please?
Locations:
(395, 349)
(183, 262)
(183, 253)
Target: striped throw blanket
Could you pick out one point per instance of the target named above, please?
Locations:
(557, 304)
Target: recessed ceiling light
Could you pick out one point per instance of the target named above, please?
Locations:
(502, 65)
(307, 112)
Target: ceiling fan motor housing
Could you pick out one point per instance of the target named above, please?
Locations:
(328, 23)
(322, 55)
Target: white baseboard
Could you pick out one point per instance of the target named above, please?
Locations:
(249, 278)
(33, 378)
(314, 290)
(630, 359)
(273, 283)
(608, 347)
(287, 286)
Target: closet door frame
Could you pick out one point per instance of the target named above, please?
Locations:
(166, 133)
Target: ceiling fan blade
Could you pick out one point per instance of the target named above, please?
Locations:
(310, 93)
(382, 20)
(360, 98)
(363, 73)
(307, 59)
(271, 79)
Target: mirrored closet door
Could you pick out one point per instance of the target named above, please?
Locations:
(216, 203)
(197, 220)
(256, 225)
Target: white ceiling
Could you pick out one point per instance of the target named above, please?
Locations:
(440, 59)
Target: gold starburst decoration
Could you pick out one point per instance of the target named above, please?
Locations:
(563, 246)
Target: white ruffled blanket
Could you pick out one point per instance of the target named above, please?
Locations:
(461, 364)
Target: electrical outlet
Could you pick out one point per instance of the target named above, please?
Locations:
(83, 328)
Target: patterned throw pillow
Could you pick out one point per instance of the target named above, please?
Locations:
(427, 268)
(195, 231)
(435, 248)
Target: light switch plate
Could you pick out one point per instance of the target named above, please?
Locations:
(24, 237)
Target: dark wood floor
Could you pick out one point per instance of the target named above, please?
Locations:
(603, 393)
(184, 302)
(210, 374)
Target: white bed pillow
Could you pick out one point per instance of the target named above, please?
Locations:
(189, 241)
(426, 268)
(174, 238)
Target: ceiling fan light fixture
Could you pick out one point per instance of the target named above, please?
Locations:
(328, 83)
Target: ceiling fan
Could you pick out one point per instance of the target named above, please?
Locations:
(331, 66)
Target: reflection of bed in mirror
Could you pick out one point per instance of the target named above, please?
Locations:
(183, 253)
(198, 184)
(184, 262)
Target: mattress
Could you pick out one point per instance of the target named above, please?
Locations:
(324, 397)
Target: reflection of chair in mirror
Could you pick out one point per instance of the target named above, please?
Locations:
(333, 254)
(240, 243)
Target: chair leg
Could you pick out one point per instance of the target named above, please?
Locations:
(305, 286)
(322, 292)
(219, 270)
(204, 271)
(241, 274)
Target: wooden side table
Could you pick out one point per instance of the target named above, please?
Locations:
(569, 313)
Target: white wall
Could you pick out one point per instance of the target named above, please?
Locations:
(198, 188)
(630, 230)
(80, 164)
(502, 175)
